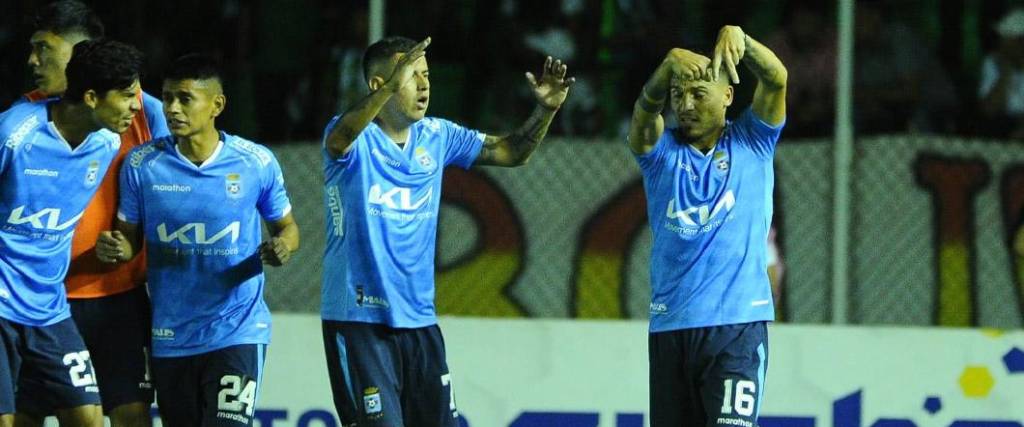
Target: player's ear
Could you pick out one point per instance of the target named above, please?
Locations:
(728, 93)
(375, 83)
(91, 98)
(219, 102)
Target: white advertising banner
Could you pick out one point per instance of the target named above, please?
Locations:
(578, 373)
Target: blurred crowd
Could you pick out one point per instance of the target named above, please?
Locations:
(939, 66)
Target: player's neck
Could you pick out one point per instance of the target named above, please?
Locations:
(199, 147)
(399, 134)
(73, 121)
(705, 143)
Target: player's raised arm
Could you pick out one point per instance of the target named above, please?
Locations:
(515, 149)
(733, 45)
(119, 245)
(339, 141)
(284, 241)
(647, 124)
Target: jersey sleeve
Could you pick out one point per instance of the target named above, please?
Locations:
(462, 145)
(273, 203)
(653, 158)
(756, 134)
(345, 159)
(129, 207)
(154, 110)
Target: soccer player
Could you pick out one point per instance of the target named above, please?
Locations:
(383, 163)
(53, 158)
(709, 200)
(108, 302)
(197, 197)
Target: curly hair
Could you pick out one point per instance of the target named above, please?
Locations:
(69, 17)
(101, 65)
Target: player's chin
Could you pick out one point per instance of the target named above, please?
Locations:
(417, 114)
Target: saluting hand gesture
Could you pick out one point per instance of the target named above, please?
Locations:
(553, 87)
(730, 48)
(404, 68)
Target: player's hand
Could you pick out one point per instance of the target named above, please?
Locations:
(405, 67)
(552, 87)
(275, 252)
(687, 65)
(110, 247)
(729, 51)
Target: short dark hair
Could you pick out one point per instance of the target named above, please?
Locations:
(101, 65)
(69, 17)
(194, 66)
(384, 49)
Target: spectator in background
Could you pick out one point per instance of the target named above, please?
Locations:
(1001, 86)
(810, 48)
(900, 84)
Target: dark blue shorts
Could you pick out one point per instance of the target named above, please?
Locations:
(218, 388)
(116, 331)
(383, 376)
(710, 376)
(50, 366)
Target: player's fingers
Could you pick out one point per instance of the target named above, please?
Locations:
(733, 74)
(737, 54)
(568, 82)
(531, 79)
(716, 63)
(421, 46)
(730, 67)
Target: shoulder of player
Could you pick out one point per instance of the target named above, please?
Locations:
(261, 154)
(140, 153)
(428, 125)
(20, 121)
(150, 103)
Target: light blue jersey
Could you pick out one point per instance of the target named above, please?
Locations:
(45, 186)
(382, 203)
(202, 230)
(710, 215)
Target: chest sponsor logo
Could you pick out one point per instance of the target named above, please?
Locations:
(45, 219)
(172, 188)
(42, 172)
(703, 214)
(195, 233)
(397, 198)
(385, 159)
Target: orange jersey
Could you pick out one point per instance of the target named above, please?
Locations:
(87, 276)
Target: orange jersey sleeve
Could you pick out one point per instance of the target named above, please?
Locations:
(87, 276)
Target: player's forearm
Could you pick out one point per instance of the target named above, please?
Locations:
(289, 235)
(765, 65)
(652, 97)
(518, 146)
(355, 120)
